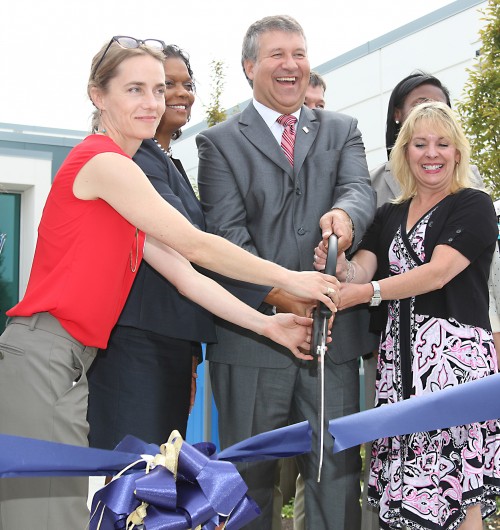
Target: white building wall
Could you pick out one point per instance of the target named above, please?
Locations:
(30, 176)
(362, 88)
(359, 83)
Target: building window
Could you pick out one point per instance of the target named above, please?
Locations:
(10, 208)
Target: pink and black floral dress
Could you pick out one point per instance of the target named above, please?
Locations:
(427, 480)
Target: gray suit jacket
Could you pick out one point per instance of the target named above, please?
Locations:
(384, 183)
(253, 197)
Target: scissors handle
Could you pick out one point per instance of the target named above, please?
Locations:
(331, 257)
(322, 313)
(331, 269)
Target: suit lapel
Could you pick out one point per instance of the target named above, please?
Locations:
(253, 127)
(307, 130)
(391, 181)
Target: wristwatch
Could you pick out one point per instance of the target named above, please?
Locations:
(376, 298)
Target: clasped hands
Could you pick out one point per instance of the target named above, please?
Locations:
(335, 221)
(286, 303)
(320, 254)
(353, 290)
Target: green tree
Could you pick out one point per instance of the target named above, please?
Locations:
(479, 108)
(214, 112)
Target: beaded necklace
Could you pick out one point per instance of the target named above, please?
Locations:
(168, 151)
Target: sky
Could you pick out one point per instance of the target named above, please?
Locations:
(46, 47)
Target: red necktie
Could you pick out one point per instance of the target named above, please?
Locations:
(288, 136)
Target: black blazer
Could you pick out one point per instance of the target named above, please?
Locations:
(154, 304)
(466, 221)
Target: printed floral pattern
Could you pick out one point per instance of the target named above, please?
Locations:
(427, 480)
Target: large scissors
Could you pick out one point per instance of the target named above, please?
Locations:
(321, 318)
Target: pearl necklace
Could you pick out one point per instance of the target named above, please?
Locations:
(168, 151)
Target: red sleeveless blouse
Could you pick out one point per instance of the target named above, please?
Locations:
(86, 255)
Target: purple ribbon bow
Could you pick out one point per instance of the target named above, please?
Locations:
(205, 493)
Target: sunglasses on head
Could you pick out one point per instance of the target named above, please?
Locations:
(129, 42)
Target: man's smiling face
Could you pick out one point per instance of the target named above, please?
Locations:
(280, 75)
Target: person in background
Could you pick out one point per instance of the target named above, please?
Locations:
(92, 240)
(156, 342)
(431, 249)
(264, 182)
(315, 93)
(410, 91)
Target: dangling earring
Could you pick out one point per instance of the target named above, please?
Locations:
(102, 131)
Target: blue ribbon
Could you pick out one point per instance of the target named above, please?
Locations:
(476, 401)
(28, 457)
(208, 487)
(280, 443)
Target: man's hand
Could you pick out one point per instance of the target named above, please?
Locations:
(288, 303)
(337, 222)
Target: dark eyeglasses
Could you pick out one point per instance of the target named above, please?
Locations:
(129, 42)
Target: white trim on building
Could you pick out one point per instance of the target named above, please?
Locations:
(29, 174)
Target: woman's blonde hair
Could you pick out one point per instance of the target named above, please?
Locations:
(442, 120)
(107, 69)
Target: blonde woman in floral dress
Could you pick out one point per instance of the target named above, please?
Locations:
(432, 248)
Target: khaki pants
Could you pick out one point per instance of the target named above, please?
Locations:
(43, 395)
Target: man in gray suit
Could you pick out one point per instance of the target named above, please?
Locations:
(253, 195)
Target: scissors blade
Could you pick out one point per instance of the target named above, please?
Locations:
(321, 349)
(320, 333)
